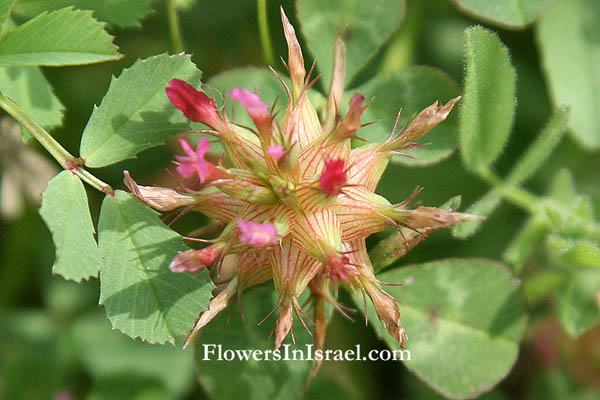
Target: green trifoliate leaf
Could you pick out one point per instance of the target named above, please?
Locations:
(136, 113)
(254, 379)
(464, 320)
(123, 13)
(410, 91)
(488, 104)
(363, 25)
(63, 37)
(142, 297)
(28, 87)
(5, 7)
(577, 301)
(65, 211)
(570, 48)
(512, 14)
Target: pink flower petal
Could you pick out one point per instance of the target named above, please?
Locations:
(277, 151)
(257, 234)
(255, 107)
(195, 163)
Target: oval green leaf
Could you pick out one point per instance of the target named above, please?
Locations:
(488, 105)
(123, 13)
(65, 210)
(136, 114)
(511, 14)
(142, 297)
(363, 25)
(464, 320)
(63, 37)
(28, 87)
(569, 37)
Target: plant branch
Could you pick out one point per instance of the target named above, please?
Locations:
(60, 154)
(174, 27)
(514, 194)
(265, 36)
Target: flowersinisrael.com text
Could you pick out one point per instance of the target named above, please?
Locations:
(216, 352)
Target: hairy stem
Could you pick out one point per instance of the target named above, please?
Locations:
(514, 194)
(60, 154)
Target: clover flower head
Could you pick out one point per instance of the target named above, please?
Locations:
(296, 200)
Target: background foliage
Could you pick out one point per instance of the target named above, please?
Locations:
(528, 136)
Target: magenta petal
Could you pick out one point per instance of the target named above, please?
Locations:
(257, 234)
(334, 177)
(187, 148)
(186, 170)
(250, 101)
(203, 147)
(195, 163)
(255, 107)
(277, 151)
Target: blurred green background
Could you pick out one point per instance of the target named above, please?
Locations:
(55, 339)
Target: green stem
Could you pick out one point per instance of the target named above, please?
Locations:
(263, 26)
(512, 193)
(174, 27)
(64, 158)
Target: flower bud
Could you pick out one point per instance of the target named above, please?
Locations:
(255, 107)
(195, 105)
(196, 260)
